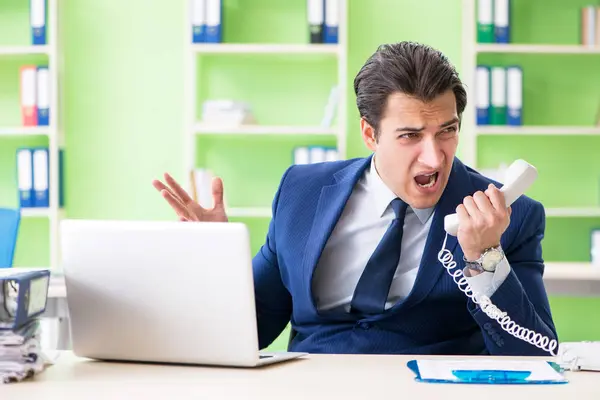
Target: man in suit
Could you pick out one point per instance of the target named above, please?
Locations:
(352, 254)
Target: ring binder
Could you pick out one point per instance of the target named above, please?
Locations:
(23, 297)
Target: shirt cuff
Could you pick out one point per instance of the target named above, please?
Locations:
(486, 283)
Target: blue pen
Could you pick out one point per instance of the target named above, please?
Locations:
(491, 376)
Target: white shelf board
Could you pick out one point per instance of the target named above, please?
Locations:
(24, 50)
(581, 271)
(573, 212)
(536, 48)
(36, 212)
(263, 130)
(39, 212)
(234, 48)
(25, 131)
(259, 212)
(536, 130)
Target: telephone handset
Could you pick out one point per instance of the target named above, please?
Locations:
(519, 176)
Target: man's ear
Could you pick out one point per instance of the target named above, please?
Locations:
(368, 134)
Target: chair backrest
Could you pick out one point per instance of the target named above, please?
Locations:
(9, 228)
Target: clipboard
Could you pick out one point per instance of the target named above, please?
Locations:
(487, 371)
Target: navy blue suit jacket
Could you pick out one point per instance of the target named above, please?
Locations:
(436, 317)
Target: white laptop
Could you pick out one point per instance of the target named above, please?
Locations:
(167, 292)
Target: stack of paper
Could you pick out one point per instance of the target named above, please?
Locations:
(23, 300)
(227, 113)
(20, 353)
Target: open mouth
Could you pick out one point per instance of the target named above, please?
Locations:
(426, 180)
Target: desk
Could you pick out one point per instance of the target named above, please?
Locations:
(344, 377)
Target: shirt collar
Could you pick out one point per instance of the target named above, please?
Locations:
(383, 196)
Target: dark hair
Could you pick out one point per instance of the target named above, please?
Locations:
(411, 68)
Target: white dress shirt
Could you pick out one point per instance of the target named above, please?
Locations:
(359, 230)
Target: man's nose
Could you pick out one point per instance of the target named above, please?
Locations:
(431, 154)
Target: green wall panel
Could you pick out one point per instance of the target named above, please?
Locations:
(251, 169)
(547, 21)
(14, 22)
(264, 21)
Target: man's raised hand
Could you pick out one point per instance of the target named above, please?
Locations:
(185, 207)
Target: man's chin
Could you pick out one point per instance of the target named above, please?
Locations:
(422, 203)
(425, 198)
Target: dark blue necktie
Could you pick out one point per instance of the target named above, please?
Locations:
(374, 284)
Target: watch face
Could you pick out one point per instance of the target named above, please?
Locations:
(491, 259)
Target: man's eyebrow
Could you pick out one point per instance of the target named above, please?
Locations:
(414, 129)
(448, 123)
(409, 129)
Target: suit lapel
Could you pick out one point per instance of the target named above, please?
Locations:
(431, 269)
(331, 203)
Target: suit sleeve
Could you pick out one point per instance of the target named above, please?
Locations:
(273, 300)
(521, 295)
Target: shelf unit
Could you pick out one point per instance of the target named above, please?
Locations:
(259, 48)
(571, 271)
(27, 50)
(26, 131)
(54, 136)
(471, 49)
(471, 132)
(195, 128)
(536, 48)
(202, 129)
(537, 130)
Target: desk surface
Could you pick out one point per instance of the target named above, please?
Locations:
(329, 377)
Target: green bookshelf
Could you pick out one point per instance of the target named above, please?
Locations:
(558, 135)
(266, 60)
(38, 241)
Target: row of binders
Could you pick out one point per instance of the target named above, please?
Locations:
(590, 26)
(499, 95)
(323, 20)
(33, 177)
(206, 20)
(314, 154)
(38, 20)
(323, 17)
(35, 95)
(493, 21)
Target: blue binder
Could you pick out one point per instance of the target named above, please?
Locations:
(489, 376)
(214, 17)
(43, 95)
(41, 177)
(502, 11)
(483, 94)
(24, 160)
(38, 17)
(514, 95)
(24, 296)
(332, 21)
(198, 21)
